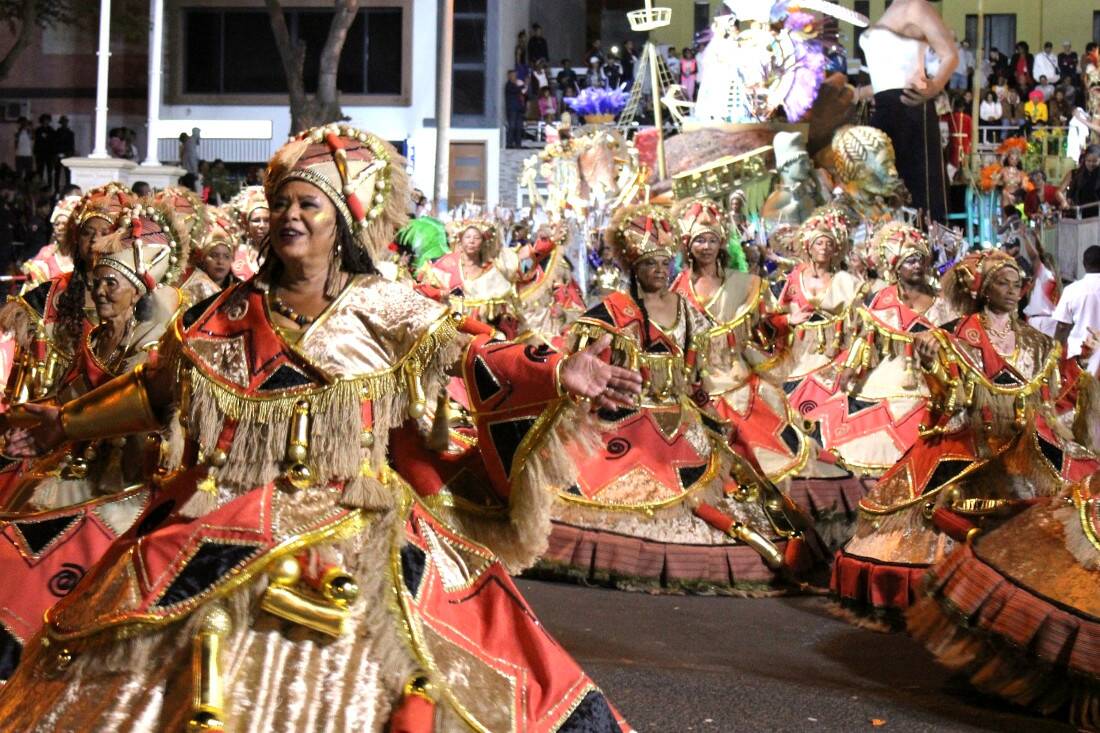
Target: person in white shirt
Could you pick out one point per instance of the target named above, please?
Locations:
(1045, 289)
(1078, 311)
(1046, 64)
(961, 78)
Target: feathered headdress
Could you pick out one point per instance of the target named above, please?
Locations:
(244, 203)
(425, 238)
(146, 249)
(640, 231)
(1010, 144)
(103, 202)
(361, 174)
(186, 212)
(490, 234)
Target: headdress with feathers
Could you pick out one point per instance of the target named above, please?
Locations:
(146, 248)
(362, 174)
(425, 238)
(490, 234)
(699, 216)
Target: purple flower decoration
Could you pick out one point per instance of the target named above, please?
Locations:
(595, 101)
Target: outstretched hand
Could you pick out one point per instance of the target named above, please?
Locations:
(587, 376)
(45, 436)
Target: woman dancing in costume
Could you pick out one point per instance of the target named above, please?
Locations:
(735, 305)
(211, 268)
(663, 503)
(48, 322)
(290, 578)
(253, 217)
(995, 445)
(872, 402)
(815, 323)
(1017, 609)
(550, 298)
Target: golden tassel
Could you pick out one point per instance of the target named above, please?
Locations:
(298, 474)
(418, 402)
(208, 694)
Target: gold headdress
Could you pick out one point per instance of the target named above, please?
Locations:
(699, 216)
(894, 243)
(244, 203)
(490, 234)
(640, 231)
(104, 202)
(221, 228)
(964, 284)
(825, 223)
(360, 173)
(855, 147)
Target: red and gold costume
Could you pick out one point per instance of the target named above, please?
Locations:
(550, 298)
(871, 425)
(196, 284)
(246, 255)
(763, 425)
(1017, 609)
(663, 502)
(995, 444)
(43, 350)
(307, 569)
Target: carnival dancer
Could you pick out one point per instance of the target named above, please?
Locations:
(291, 578)
(550, 298)
(994, 445)
(664, 504)
(253, 216)
(871, 402)
(48, 321)
(1016, 609)
(49, 262)
(211, 268)
(480, 278)
(735, 305)
(133, 309)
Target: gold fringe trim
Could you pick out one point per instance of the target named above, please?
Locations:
(1082, 540)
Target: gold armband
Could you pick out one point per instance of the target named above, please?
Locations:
(120, 407)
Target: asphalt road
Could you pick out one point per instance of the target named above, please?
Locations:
(690, 663)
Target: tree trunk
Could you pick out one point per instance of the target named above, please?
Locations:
(310, 110)
(28, 18)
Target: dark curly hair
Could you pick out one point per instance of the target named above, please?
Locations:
(70, 308)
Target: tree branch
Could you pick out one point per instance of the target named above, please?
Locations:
(28, 20)
(343, 17)
(291, 54)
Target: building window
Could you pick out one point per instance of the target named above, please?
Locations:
(233, 51)
(470, 80)
(1000, 32)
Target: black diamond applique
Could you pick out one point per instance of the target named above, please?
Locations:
(790, 387)
(38, 297)
(790, 437)
(918, 327)
(690, 474)
(1052, 452)
(599, 312)
(206, 567)
(1005, 378)
(486, 383)
(574, 490)
(855, 405)
(619, 413)
(10, 652)
(194, 313)
(593, 715)
(507, 436)
(285, 377)
(711, 424)
(777, 287)
(657, 347)
(412, 566)
(39, 534)
(945, 471)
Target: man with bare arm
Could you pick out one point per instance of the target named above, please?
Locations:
(895, 48)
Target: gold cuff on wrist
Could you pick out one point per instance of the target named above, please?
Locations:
(120, 407)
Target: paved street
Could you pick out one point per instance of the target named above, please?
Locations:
(688, 663)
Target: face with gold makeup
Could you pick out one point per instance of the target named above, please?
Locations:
(303, 224)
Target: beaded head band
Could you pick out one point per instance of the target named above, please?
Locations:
(360, 173)
(221, 229)
(700, 216)
(187, 212)
(642, 231)
(146, 250)
(896, 242)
